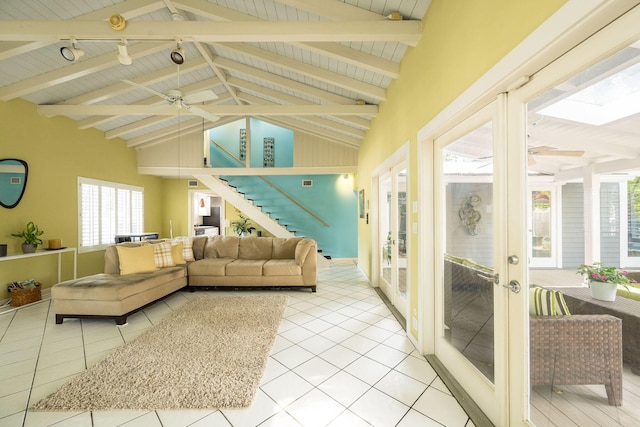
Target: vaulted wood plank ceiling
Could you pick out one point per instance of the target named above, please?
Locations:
(317, 66)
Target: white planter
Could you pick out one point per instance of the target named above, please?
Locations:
(604, 291)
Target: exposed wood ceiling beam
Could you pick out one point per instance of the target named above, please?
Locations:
(148, 79)
(81, 69)
(149, 121)
(332, 50)
(202, 31)
(324, 133)
(129, 9)
(308, 70)
(219, 110)
(286, 84)
(173, 132)
(316, 121)
(278, 97)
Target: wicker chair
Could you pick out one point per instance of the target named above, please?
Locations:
(577, 349)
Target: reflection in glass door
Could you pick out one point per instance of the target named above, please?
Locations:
(471, 257)
(543, 228)
(393, 232)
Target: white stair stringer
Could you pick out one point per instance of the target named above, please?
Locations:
(246, 206)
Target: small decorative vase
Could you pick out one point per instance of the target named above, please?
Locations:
(28, 249)
(604, 291)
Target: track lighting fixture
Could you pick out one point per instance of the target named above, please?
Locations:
(71, 54)
(123, 54)
(177, 55)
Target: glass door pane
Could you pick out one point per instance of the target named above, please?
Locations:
(584, 367)
(468, 260)
(385, 234)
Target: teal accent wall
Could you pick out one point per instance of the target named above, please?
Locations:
(332, 198)
(227, 136)
(283, 144)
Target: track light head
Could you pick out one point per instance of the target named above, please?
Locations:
(71, 54)
(177, 55)
(123, 54)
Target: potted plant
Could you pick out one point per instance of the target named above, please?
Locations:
(31, 237)
(604, 280)
(242, 226)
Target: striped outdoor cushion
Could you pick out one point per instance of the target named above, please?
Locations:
(545, 302)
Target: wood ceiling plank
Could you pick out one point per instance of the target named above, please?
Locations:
(334, 10)
(298, 67)
(74, 71)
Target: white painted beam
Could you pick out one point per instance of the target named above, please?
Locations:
(408, 32)
(219, 110)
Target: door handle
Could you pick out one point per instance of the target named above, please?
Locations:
(514, 285)
(492, 278)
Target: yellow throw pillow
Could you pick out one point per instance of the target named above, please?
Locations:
(187, 248)
(176, 253)
(136, 260)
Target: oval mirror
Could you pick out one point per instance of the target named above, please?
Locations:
(13, 181)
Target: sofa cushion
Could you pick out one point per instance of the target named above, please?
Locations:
(209, 267)
(284, 247)
(245, 267)
(282, 267)
(302, 250)
(135, 259)
(197, 245)
(221, 247)
(255, 248)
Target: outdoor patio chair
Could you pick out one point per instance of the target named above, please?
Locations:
(577, 350)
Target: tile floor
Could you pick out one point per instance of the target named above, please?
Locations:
(340, 359)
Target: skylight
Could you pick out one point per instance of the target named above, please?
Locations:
(613, 98)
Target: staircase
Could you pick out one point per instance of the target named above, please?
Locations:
(267, 206)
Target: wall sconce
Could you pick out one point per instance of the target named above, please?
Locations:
(71, 54)
(177, 55)
(123, 54)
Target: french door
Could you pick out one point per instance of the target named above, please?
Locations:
(392, 198)
(473, 286)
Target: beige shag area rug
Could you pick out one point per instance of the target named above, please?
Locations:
(209, 354)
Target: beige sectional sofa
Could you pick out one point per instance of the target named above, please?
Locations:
(223, 261)
(132, 280)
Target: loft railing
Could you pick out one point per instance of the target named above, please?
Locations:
(272, 185)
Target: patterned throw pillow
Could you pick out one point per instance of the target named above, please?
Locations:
(162, 254)
(187, 248)
(546, 302)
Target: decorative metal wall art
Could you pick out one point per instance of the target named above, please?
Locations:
(469, 216)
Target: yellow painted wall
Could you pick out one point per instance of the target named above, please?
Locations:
(461, 41)
(57, 152)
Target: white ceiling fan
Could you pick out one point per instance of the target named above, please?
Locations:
(176, 99)
(550, 151)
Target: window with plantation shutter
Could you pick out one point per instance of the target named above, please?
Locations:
(106, 209)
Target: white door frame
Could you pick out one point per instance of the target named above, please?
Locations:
(573, 23)
(400, 156)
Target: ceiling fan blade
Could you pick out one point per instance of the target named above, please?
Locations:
(151, 91)
(202, 113)
(205, 95)
(569, 153)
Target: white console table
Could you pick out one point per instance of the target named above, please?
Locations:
(49, 252)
